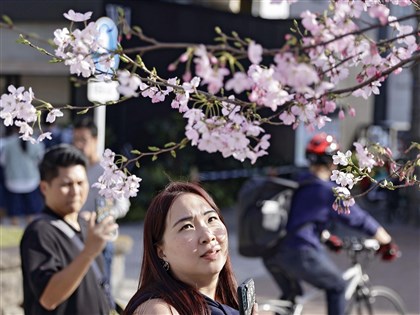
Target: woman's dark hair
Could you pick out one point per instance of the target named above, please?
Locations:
(62, 155)
(155, 281)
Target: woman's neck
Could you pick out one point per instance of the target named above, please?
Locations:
(208, 289)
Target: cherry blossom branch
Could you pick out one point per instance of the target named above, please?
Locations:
(157, 45)
(154, 151)
(385, 73)
(9, 25)
(225, 114)
(358, 32)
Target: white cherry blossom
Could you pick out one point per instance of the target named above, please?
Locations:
(53, 114)
(77, 17)
(343, 179)
(364, 158)
(342, 158)
(255, 52)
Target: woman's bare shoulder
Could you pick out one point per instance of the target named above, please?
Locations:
(155, 307)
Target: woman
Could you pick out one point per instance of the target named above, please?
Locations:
(186, 267)
(20, 160)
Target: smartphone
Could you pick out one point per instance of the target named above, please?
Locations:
(104, 209)
(246, 295)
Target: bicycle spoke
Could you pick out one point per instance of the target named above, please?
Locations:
(386, 301)
(379, 301)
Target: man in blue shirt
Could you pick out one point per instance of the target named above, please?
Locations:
(302, 255)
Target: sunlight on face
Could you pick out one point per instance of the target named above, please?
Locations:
(195, 242)
(85, 142)
(67, 192)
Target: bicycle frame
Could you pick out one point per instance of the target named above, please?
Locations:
(353, 275)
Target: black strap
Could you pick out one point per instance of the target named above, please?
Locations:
(69, 232)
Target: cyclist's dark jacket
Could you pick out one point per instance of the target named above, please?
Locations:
(46, 250)
(312, 211)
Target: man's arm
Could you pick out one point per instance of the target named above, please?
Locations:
(63, 283)
(382, 236)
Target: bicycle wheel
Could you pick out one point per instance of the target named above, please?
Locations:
(277, 307)
(378, 300)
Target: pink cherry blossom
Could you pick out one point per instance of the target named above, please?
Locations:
(310, 22)
(239, 82)
(297, 85)
(364, 158)
(114, 183)
(287, 118)
(43, 136)
(342, 158)
(380, 12)
(77, 17)
(53, 114)
(129, 83)
(255, 52)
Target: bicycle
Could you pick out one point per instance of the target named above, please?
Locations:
(362, 298)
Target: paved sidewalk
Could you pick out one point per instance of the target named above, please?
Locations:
(402, 275)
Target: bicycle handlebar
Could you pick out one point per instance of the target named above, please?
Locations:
(361, 245)
(355, 246)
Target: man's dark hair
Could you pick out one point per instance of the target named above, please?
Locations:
(62, 155)
(88, 123)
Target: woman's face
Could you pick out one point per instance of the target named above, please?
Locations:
(195, 241)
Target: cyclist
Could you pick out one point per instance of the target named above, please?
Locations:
(301, 255)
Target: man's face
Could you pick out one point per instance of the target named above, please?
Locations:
(85, 142)
(67, 192)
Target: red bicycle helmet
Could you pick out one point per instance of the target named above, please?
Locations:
(321, 148)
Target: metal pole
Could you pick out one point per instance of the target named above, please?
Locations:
(99, 116)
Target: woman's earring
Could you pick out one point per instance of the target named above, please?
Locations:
(165, 265)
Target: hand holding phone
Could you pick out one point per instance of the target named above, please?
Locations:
(246, 295)
(103, 210)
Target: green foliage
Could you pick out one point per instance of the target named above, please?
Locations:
(10, 236)
(7, 20)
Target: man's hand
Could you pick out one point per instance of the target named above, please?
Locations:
(333, 242)
(99, 234)
(389, 251)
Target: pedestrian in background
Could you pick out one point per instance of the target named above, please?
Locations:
(5, 133)
(19, 161)
(85, 138)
